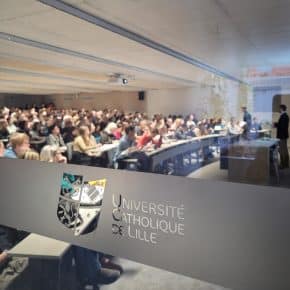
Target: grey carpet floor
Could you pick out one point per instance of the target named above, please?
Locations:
(141, 277)
(213, 172)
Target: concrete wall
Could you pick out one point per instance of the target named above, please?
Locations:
(127, 101)
(2, 103)
(286, 101)
(10, 100)
(222, 101)
(225, 101)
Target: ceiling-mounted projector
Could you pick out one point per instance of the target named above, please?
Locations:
(118, 79)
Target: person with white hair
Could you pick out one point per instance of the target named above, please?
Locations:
(111, 128)
(52, 154)
(233, 128)
(46, 153)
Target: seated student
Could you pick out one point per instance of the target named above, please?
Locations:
(158, 122)
(46, 153)
(233, 128)
(69, 132)
(31, 155)
(97, 133)
(156, 138)
(105, 138)
(23, 126)
(178, 122)
(202, 129)
(190, 121)
(43, 129)
(145, 138)
(34, 133)
(85, 142)
(127, 142)
(127, 149)
(140, 128)
(18, 145)
(4, 133)
(190, 132)
(11, 125)
(244, 130)
(119, 131)
(54, 137)
(58, 157)
(197, 131)
(83, 146)
(2, 149)
(180, 132)
(52, 154)
(111, 129)
(256, 126)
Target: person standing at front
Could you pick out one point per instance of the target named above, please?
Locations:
(247, 119)
(283, 134)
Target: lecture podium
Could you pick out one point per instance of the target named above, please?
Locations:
(254, 161)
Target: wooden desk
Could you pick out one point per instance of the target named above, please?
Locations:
(105, 151)
(181, 147)
(251, 161)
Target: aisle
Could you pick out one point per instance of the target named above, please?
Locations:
(211, 171)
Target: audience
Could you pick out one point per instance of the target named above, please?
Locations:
(86, 131)
(83, 132)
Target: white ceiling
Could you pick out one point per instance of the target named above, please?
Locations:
(257, 32)
(228, 34)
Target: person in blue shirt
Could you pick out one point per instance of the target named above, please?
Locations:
(127, 149)
(18, 146)
(256, 126)
(127, 144)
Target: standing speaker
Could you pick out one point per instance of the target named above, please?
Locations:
(141, 96)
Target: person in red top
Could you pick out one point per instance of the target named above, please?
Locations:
(144, 139)
(119, 132)
(156, 138)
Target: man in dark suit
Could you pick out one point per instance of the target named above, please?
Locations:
(283, 134)
(247, 118)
